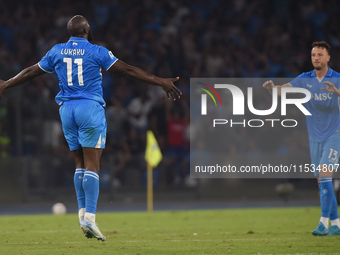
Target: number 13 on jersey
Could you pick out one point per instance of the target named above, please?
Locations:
(79, 62)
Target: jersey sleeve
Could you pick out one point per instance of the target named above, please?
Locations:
(297, 82)
(46, 63)
(106, 58)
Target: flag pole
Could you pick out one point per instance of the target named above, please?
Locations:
(153, 156)
(149, 188)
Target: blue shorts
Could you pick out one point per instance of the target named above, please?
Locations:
(326, 153)
(83, 123)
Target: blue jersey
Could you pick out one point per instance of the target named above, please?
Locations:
(324, 106)
(78, 64)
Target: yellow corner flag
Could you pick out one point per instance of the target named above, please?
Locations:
(153, 156)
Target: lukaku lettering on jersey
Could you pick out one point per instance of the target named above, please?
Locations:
(72, 52)
(324, 106)
(78, 64)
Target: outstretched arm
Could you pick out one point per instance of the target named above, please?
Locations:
(269, 85)
(138, 74)
(25, 75)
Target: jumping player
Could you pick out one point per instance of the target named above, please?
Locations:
(78, 64)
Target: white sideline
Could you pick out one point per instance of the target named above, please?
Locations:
(172, 240)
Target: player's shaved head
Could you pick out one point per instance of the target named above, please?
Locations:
(78, 26)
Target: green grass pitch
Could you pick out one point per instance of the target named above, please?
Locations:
(234, 231)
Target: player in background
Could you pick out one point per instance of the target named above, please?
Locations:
(78, 64)
(323, 129)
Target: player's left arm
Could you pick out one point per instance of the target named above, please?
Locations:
(25, 75)
(331, 88)
(167, 84)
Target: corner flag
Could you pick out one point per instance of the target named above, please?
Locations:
(153, 154)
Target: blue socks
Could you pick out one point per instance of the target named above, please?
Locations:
(86, 184)
(334, 211)
(327, 197)
(91, 189)
(78, 184)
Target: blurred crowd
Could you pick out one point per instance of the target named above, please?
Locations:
(189, 38)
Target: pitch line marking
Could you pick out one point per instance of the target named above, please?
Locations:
(169, 240)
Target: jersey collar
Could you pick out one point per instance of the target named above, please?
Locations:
(328, 74)
(77, 39)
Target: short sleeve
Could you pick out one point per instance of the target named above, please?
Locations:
(46, 62)
(296, 83)
(106, 58)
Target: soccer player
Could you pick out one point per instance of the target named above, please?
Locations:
(323, 130)
(78, 64)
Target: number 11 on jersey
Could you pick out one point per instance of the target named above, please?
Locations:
(79, 62)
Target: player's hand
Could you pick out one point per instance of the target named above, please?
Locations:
(2, 88)
(331, 88)
(170, 89)
(269, 85)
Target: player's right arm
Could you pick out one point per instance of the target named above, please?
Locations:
(269, 85)
(25, 75)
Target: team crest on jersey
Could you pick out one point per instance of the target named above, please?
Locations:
(309, 86)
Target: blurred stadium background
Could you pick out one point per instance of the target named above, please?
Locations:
(186, 38)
